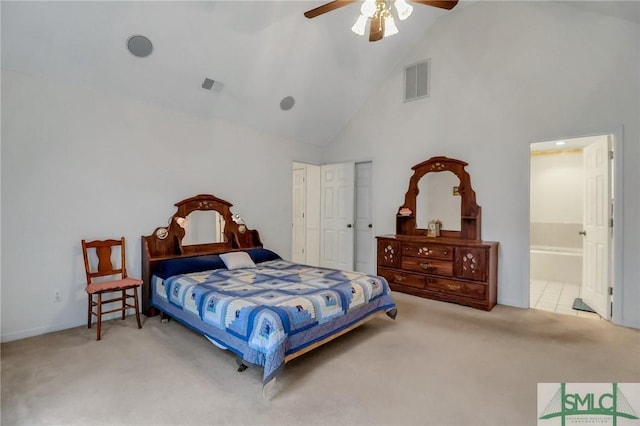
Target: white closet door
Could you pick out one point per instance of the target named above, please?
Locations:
(336, 217)
(312, 215)
(364, 239)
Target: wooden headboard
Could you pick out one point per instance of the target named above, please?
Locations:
(166, 241)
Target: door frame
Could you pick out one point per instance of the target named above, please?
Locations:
(618, 222)
(318, 196)
(618, 216)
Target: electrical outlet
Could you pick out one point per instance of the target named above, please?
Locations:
(57, 296)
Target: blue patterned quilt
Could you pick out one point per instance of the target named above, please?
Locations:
(277, 308)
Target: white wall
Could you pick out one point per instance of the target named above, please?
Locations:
(83, 164)
(505, 74)
(556, 187)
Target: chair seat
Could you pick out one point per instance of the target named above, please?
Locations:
(122, 284)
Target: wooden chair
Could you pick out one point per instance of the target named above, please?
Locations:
(109, 277)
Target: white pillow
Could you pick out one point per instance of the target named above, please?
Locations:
(237, 260)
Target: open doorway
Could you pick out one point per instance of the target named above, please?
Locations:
(571, 238)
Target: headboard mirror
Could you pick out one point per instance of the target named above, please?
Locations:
(203, 227)
(202, 224)
(440, 189)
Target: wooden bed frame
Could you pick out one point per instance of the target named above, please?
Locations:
(166, 242)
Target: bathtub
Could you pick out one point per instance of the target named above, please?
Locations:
(552, 263)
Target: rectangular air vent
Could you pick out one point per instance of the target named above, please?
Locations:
(207, 83)
(416, 80)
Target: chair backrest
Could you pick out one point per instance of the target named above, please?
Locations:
(106, 266)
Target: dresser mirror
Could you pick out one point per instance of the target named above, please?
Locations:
(438, 199)
(430, 197)
(203, 227)
(449, 262)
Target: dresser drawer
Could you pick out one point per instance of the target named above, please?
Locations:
(471, 263)
(402, 278)
(427, 250)
(388, 253)
(428, 266)
(475, 291)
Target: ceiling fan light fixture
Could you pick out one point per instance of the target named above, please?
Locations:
(378, 14)
(403, 8)
(368, 8)
(390, 26)
(360, 26)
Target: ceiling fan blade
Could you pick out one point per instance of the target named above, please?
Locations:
(328, 7)
(376, 29)
(442, 4)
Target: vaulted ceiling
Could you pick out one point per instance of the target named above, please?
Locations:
(258, 52)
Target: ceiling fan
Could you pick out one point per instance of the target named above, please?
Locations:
(378, 13)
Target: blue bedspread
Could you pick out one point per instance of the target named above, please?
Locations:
(265, 313)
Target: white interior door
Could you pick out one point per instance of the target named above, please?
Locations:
(336, 217)
(312, 214)
(597, 228)
(298, 226)
(364, 254)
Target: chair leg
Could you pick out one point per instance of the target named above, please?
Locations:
(124, 302)
(89, 310)
(135, 302)
(99, 315)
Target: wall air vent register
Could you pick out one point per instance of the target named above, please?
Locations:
(416, 81)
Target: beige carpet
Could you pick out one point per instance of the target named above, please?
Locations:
(437, 364)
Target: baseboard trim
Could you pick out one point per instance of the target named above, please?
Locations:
(511, 302)
(32, 332)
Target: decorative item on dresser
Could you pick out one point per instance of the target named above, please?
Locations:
(451, 264)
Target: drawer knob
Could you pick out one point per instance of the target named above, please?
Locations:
(399, 278)
(454, 287)
(427, 266)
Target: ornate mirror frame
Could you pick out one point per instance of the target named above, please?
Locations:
(470, 212)
(167, 241)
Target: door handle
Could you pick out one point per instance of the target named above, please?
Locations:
(583, 233)
(349, 225)
(371, 225)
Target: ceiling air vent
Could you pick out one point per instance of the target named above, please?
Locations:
(416, 81)
(208, 83)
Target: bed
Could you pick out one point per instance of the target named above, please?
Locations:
(246, 298)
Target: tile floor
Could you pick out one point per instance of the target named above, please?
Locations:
(556, 297)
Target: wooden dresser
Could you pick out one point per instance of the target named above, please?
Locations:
(451, 270)
(448, 265)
